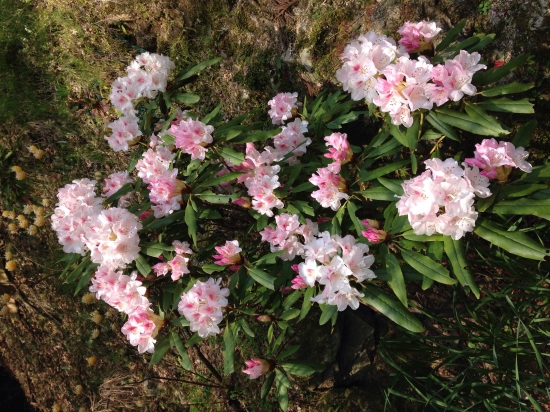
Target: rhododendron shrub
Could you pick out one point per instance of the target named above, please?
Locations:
(216, 223)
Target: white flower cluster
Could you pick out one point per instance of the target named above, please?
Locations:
(147, 75)
(202, 306)
(442, 198)
(126, 294)
(82, 224)
(331, 261)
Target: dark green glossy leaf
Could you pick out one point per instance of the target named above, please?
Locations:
(427, 267)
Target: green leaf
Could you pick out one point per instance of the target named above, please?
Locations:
(390, 307)
(268, 383)
(269, 256)
(212, 268)
(288, 352)
(396, 186)
(257, 136)
(228, 351)
(484, 42)
(524, 134)
(410, 235)
(412, 134)
(290, 314)
(180, 322)
(352, 208)
(481, 117)
(431, 134)
(262, 278)
(492, 76)
(292, 299)
(195, 69)
(454, 249)
(397, 281)
(508, 106)
(327, 312)
(78, 270)
(142, 266)
(303, 187)
(450, 36)
(506, 89)
(302, 368)
(345, 118)
(155, 249)
(379, 193)
(210, 197)
(85, 278)
(282, 396)
(193, 339)
(464, 122)
(246, 327)
(186, 98)
(161, 347)
(400, 135)
(210, 214)
(221, 179)
(521, 207)
(127, 188)
(382, 171)
(442, 127)
(517, 243)
(191, 222)
(306, 304)
(177, 343)
(427, 267)
(270, 333)
(232, 155)
(206, 119)
(165, 221)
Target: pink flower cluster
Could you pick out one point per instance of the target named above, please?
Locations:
(114, 183)
(192, 136)
(82, 224)
(414, 34)
(165, 188)
(229, 254)
(127, 295)
(285, 236)
(332, 187)
(177, 265)
(140, 82)
(332, 261)
(292, 140)
(335, 261)
(202, 306)
(372, 231)
(281, 107)
(125, 133)
(261, 178)
(496, 159)
(376, 70)
(442, 198)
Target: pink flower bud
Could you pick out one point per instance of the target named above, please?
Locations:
(264, 318)
(370, 223)
(257, 367)
(243, 202)
(298, 283)
(145, 215)
(375, 235)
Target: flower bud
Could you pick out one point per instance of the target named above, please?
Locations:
(375, 235)
(243, 202)
(265, 318)
(257, 367)
(371, 223)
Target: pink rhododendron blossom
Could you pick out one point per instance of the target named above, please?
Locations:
(256, 367)
(374, 235)
(281, 107)
(125, 133)
(192, 136)
(340, 150)
(229, 254)
(415, 35)
(202, 306)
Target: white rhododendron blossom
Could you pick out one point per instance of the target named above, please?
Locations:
(178, 265)
(441, 200)
(192, 136)
(113, 183)
(202, 306)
